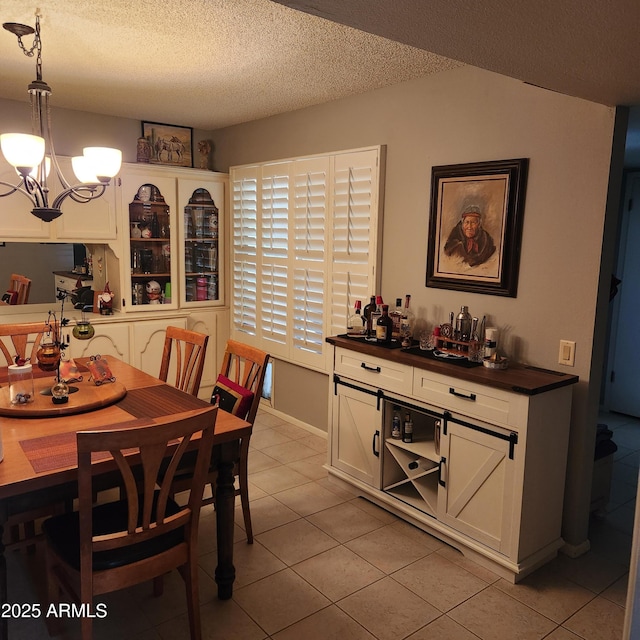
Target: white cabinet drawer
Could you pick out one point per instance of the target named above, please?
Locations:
(479, 401)
(377, 372)
(69, 284)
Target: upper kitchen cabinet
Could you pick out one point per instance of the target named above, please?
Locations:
(16, 219)
(201, 223)
(149, 237)
(171, 229)
(94, 221)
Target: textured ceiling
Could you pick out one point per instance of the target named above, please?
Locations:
(199, 63)
(212, 63)
(584, 48)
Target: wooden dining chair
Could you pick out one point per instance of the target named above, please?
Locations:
(21, 340)
(238, 390)
(187, 349)
(114, 545)
(22, 286)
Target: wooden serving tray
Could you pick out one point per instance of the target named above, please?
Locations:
(87, 398)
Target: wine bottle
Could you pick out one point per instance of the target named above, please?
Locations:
(407, 428)
(368, 310)
(376, 313)
(396, 424)
(384, 326)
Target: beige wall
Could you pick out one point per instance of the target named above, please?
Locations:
(470, 115)
(464, 115)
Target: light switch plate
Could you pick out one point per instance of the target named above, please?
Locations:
(567, 353)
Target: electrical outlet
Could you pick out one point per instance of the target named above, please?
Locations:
(567, 353)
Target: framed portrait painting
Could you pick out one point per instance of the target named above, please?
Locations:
(169, 144)
(475, 226)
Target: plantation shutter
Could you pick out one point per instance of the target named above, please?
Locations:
(244, 254)
(305, 248)
(310, 215)
(355, 233)
(274, 237)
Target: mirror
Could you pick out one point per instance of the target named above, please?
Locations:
(38, 261)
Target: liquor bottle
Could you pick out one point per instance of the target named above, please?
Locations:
(354, 321)
(396, 317)
(384, 326)
(407, 428)
(368, 310)
(396, 424)
(407, 322)
(376, 313)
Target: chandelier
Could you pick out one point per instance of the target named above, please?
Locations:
(33, 156)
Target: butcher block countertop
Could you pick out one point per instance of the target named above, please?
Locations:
(518, 378)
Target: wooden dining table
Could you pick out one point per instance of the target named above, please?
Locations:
(39, 467)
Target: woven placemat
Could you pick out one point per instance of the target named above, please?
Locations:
(49, 453)
(157, 401)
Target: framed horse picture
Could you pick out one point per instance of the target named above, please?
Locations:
(170, 144)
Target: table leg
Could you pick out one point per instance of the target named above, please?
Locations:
(225, 504)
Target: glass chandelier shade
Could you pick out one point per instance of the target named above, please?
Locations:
(22, 150)
(32, 155)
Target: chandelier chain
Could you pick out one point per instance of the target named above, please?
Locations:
(37, 45)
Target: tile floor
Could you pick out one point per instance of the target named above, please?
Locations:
(327, 565)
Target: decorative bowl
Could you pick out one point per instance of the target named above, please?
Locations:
(496, 363)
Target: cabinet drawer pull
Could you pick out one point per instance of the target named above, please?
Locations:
(376, 439)
(471, 396)
(441, 482)
(367, 368)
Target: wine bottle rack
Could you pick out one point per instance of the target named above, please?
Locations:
(411, 469)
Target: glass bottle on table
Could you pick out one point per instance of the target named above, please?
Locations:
(407, 322)
(376, 313)
(396, 317)
(354, 321)
(367, 311)
(384, 326)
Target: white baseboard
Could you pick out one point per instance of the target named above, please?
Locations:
(267, 408)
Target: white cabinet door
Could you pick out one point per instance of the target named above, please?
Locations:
(16, 219)
(477, 478)
(201, 256)
(355, 437)
(148, 344)
(108, 340)
(90, 221)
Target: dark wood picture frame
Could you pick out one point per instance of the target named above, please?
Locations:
(475, 226)
(170, 144)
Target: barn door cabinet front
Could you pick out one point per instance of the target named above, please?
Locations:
(486, 465)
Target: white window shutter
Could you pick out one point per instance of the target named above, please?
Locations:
(305, 248)
(244, 207)
(275, 325)
(311, 177)
(356, 185)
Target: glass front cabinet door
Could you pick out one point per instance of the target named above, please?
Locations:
(149, 207)
(201, 205)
